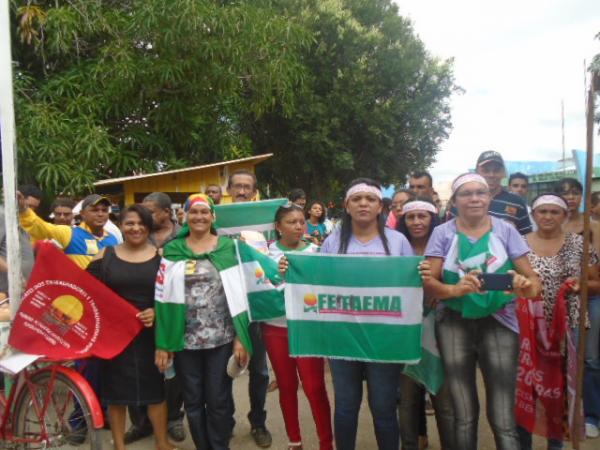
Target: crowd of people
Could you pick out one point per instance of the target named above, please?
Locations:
(180, 368)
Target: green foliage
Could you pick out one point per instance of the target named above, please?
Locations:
(335, 88)
(108, 88)
(376, 102)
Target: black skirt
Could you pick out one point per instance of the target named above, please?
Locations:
(132, 378)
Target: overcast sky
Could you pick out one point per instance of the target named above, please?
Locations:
(516, 61)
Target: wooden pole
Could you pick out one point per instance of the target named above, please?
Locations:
(577, 425)
(9, 161)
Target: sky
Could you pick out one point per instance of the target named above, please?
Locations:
(516, 61)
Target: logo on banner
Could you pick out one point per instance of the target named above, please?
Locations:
(356, 305)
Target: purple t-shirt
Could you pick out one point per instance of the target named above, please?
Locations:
(397, 243)
(441, 240)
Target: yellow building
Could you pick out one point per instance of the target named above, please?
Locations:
(177, 183)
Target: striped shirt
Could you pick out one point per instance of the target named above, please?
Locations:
(511, 208)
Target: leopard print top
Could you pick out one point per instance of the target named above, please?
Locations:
(554, 270)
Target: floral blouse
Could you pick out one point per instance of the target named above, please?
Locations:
(208, 321)
(554, 271)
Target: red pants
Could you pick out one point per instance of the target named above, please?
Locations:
(311, 371)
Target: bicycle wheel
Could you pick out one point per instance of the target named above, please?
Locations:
(67, 419)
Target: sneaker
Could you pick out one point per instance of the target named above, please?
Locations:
(176, 430)
(77, 436)
(261, 437)
(135, 434)
(591, 431)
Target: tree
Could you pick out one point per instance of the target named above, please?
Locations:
(375, 101)
(109, 88)
(335, 88)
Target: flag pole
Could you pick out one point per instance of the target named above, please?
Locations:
(584, 294)
(9, 160)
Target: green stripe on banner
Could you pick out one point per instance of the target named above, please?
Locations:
(391, 271)
(247, 213)
(266, 305)
(377, 342)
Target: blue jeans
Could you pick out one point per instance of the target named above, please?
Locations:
(259, 378)
(591, 374)
(464, 343)
(382, 386)
(207, 395)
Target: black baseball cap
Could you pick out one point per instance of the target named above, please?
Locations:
(490, 156)
(93, 200)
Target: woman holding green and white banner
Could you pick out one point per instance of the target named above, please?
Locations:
(474, 325)
(289, 225)
(419, 218)
(363, 232)
(198, 320)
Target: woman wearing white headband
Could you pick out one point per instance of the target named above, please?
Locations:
(475, 326)
(363, 232)
(557, 256)
(419, 218)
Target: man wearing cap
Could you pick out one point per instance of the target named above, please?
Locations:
(80, 243)
(504, 205)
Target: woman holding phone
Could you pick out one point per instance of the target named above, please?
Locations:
(475, 326)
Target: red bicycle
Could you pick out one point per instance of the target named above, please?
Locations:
(50, 405)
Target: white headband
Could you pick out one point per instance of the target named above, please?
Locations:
(363, 187)
(467, 178)
(550, 200)
(418, 205)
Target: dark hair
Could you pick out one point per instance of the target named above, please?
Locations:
(296, 194)
(421, 174)
(242, 172)
(411, 194)
(144, 214)
(283, 211)
(518, 176)
(435, 220)
(64, 202)
(29, 190)
(346, 227)
(570, 183)
(595, 198)
(316, 202)
(162, 200)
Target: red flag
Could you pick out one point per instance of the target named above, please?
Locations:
(545, 378)
(66, 313)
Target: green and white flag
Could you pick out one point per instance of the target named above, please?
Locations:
(262, 282)
(430, 370)
(170, 305)
(233, 218)
(360, 308)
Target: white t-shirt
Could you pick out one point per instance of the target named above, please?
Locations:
(276, 251)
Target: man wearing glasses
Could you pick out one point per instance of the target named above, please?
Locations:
(242, 187)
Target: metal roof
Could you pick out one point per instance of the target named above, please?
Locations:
(257, 158)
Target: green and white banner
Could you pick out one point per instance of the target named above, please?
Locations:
(360, 308)
(233, 218)
(262, 283)
(430, 370)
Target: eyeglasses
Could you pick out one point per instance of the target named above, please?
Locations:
(479, 194)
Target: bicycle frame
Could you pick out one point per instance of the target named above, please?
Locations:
(23, 381)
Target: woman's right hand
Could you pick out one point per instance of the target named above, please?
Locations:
(468, 284)
(283, 265)
(161, 359)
